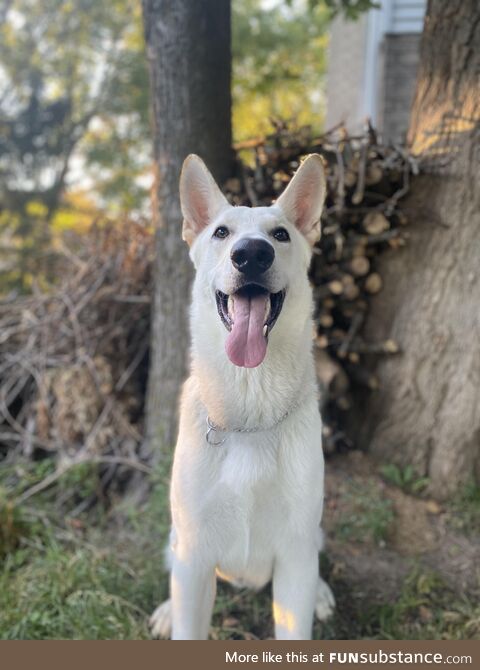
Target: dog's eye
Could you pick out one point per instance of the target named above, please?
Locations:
(281, 235)
(222, 232)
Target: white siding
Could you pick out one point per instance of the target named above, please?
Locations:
(346, 65)
(406, 16)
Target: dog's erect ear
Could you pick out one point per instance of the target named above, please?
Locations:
(302, 200)
(200, 197)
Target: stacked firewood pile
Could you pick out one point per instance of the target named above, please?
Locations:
(362, 218)
(73, 361)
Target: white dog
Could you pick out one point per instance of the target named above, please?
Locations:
(247, 483)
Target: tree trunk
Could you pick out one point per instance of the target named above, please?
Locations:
(188, 51)
(427, 412)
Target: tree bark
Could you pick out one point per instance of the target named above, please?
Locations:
(188, 52)
(427, 411)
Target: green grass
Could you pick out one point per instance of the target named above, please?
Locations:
(425, 609)
(96, 576)
(100, 575)
(464, 510)
(405, 478)
(74, 594)
(368, 517)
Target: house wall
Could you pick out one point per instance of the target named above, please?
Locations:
(372, 67)
(402, 55)
(405, 16)
(345, 91)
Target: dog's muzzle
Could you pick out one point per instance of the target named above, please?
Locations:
(249, 315)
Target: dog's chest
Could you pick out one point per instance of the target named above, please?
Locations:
(248, 460)
(248, 492)
(251, 504)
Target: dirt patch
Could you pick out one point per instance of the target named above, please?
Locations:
(376, 533)
(415, 529)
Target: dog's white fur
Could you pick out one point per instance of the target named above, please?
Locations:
(248, 510)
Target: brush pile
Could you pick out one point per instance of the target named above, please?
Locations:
(73, 362)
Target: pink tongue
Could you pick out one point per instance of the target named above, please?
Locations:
(246, 346)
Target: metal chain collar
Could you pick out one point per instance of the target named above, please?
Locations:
(215, 428)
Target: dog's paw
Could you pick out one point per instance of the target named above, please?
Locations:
(161, 620)
(325, 603)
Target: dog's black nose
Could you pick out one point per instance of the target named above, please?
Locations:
(252, 256)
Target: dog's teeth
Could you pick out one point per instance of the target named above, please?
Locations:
(230, 306)
(265, 330)
(267, 310)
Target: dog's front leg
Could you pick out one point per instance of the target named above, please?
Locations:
(295, 578)
(192, 588)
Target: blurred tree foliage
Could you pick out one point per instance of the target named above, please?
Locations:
(279, 60)
(63, 69)
(350, 8)
(74, 115)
